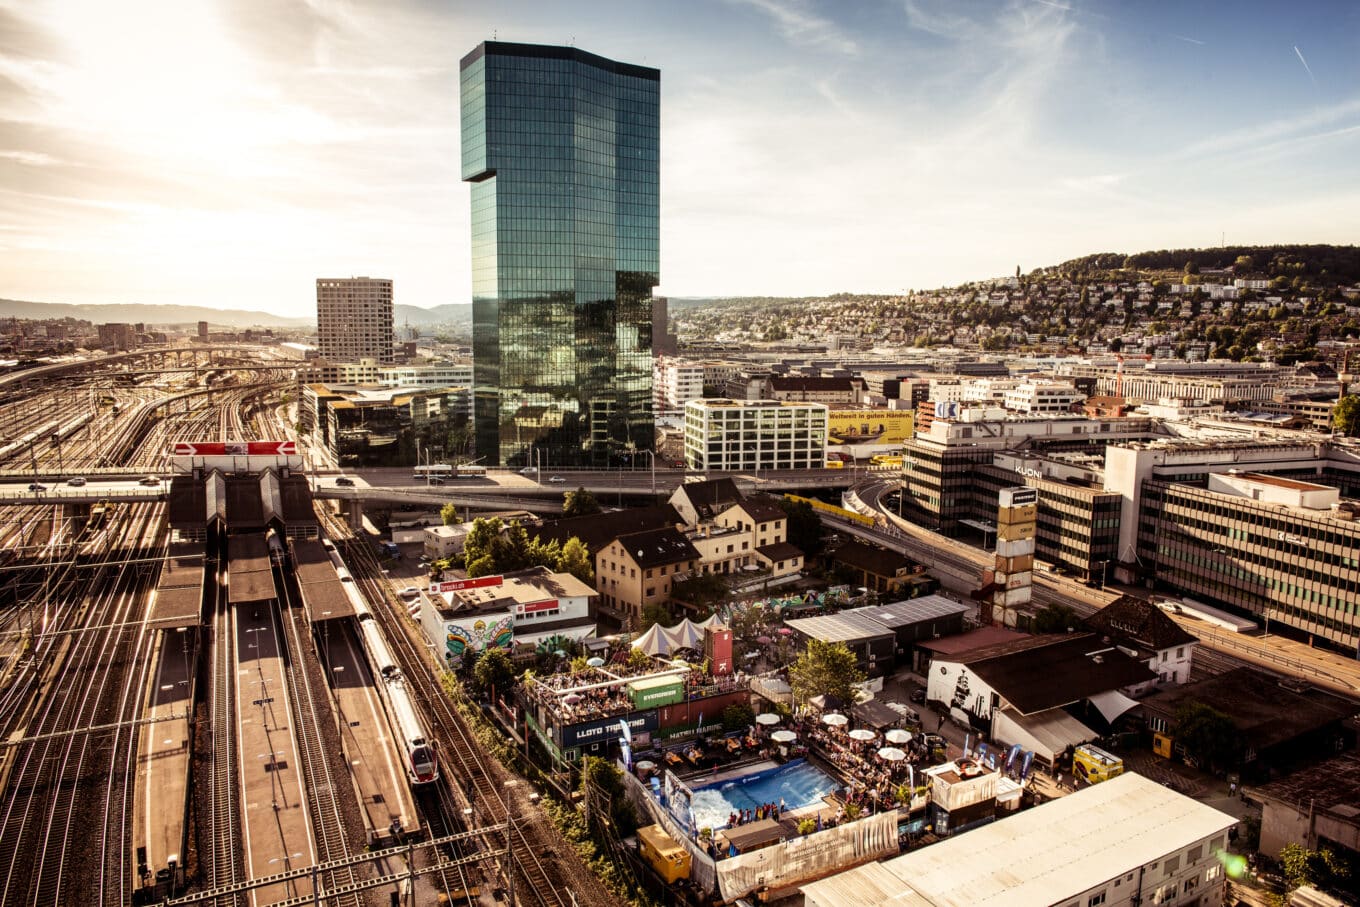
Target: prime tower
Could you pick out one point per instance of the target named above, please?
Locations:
(561, 149)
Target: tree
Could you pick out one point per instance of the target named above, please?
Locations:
(1323, 868)
(737, 717)
(1054, 618)
(575, 559)
(805, 527)
(1346, 415)
(825, 669)
(1208, 735)
(655, 613)
(579, 503)
(493, 672)
(449, 514)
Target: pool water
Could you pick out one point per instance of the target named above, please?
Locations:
(798, 783)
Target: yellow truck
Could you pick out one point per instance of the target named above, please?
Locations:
(1093, 764)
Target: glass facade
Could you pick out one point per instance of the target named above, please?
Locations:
(561, 149)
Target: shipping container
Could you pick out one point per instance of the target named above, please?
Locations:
(652, 692)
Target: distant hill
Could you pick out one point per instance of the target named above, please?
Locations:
(134, 313)
(1325, 265)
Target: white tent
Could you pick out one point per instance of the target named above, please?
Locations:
(686, 635)
(713, 621)
(654, 642)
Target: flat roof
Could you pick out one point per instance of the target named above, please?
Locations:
(912, 610)
(845, 626)
(249, 578)
(179, 591)
(1051, 853)
(1261, 478)
(980, 638)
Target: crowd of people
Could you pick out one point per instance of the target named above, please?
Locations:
(756, 814)
(873, 783)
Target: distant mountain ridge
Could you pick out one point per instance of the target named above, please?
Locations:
(134, 313)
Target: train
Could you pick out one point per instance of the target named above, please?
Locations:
(422, 762)
(278, 553)
(57, 430)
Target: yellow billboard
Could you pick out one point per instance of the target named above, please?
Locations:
(869, 426)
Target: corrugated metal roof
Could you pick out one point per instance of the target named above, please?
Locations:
(845, 626)
(912, 611)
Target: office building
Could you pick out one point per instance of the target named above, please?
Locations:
(677, 381)
(373, 426)
(354, 319)
(561, 149)
(117, 337)
(754, 435)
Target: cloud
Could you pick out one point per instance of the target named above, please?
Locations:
(799, 25)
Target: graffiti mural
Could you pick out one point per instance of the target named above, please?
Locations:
(480, 635)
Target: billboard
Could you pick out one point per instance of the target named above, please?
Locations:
(603, 728)
(457, 585)
(235, 449)
(869, 426)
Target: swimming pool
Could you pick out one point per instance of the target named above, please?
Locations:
(798, 783)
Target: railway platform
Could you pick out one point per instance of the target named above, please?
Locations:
(274, 817)
(163, 758)
(375, 761)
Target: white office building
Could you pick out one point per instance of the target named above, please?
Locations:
(755, 434)
(676, 382)
(1042, 397)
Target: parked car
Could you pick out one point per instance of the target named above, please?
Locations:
(529, 471)
(345, 482)
(77, 481)
(410, 592)
(558, 480)
(150, 480)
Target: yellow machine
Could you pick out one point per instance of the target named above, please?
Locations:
(664, 853)
(1094, 764)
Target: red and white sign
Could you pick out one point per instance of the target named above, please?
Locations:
(548, 604)
(458, 585)
(235, 449)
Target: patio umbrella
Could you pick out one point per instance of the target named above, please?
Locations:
(596, 662)
(891, 754)
(897, 735)
(785, 631)
(767, 718)
(835, 719)
(764, 640)
(646, 765)
(783, 736)
(572, 698)
(864, 734)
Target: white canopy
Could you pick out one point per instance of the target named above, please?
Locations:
(1112, 704)
(685, 635)
(654, 642)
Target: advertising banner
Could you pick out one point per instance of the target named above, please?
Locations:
(457, 585)
(235, 449)
(595, 731)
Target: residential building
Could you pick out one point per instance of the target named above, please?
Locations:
(755, 434)
(561, 148)
(639, 569)
(882, 571)
(498, 612)
(354, 319)
(1121, 843)
(676, 382)
(701, 502)
(1143, 630)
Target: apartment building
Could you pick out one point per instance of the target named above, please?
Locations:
(676, 382)
(1042, 397)
(354, 319)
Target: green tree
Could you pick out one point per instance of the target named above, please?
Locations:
(493, 672)
(575, 559)
(449, 514)
(825, 669)
(1346, 415)
(805, 527)
(655, 613)
(1208, 735)
(1054, 618)
(1323, 868)
(738, 716)
(579, 503)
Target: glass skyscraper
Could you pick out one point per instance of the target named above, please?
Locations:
(561, 149)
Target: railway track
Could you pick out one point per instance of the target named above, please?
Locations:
(531, 836)
(222, 811)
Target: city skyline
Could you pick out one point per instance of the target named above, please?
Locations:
(805, 148)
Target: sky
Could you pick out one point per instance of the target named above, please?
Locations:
(229, 152)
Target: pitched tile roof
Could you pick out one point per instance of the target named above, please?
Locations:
(655, 547)
(599, 529)
(1138, 623)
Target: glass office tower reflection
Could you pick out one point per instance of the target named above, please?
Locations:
(561, 149)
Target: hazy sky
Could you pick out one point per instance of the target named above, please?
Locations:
(228, 153)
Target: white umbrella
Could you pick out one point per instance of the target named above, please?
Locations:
(645, 765)
(835, 719)
(572, 698)
(864, 734)
(897, 735)
(891, 754)
(767, 718)
(596, 662)
(783, 736)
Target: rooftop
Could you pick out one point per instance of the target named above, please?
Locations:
(1133, 620)
(1058, 671)
(844, 626)
(1045, 855)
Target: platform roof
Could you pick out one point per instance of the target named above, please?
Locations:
(178, 601)
(297, 502)
(323, 593)
(245, 506)
(248, 575)
(188, 503)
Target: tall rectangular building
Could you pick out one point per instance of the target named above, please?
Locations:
(561, 149)
(354, 319)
